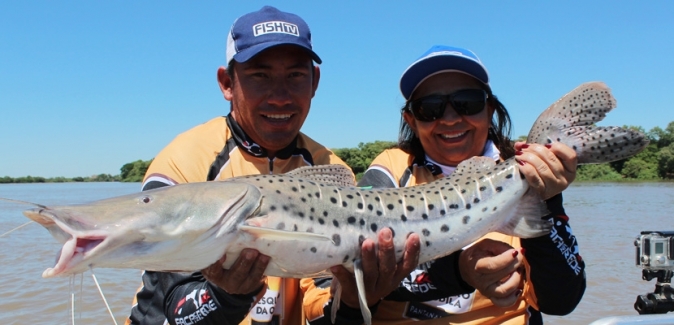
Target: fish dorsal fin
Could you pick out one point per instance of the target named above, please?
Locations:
(469, 169)
(277, 234)
(571, 120)
(334, 174)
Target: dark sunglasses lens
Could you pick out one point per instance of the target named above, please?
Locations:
(428, 109)
(469, 101)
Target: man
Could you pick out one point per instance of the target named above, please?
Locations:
(270, 81)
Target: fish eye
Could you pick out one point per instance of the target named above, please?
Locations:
(146, 199)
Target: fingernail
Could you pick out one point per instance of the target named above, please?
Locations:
(548, 145)
(515, 253)
(524, 146)
(524, 250)
(517, 153)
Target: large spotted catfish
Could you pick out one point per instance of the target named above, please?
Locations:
(313, 218)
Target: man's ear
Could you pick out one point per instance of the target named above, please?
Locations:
(317, 77)
(225, 83)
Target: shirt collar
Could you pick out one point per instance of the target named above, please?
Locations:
(244, 142)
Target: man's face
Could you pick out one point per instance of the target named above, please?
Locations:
(271, 94)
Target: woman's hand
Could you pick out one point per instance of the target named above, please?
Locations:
(495, 269)
(549, 169)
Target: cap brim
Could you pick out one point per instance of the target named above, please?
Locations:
(254, 50)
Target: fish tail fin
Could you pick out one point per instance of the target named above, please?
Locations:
(571, 120)
(527, 220)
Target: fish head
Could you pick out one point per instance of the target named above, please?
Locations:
(149, 227)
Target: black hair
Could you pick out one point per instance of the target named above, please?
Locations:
(499, 131)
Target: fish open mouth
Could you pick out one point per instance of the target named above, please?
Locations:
(73, 252)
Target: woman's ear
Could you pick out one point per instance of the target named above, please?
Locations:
(411, 121)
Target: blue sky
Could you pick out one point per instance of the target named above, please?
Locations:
(87, 86)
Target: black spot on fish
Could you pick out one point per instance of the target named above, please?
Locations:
(482, 188)
(303, 200)
(370, 207)
(430, 207)
(318, 195)
(442, 212)
(313, 249)
(390, 206)
(294, 189)
(410, 208)
(403, 218)
(336, 239)
(465, 220)
(379, 213)
(499, 189)
(453, 206)
(335, 223)
(468, 206)
(360, 205)
(350, 197)
(351, 220)
(444, 228)
(281, 226)
(325, 213)
(333, 200)
(361, 239)
(321, 221)
(301, 214)
(272, 208)
(428, 243)
(271, 181)
(280, 180)
(476, 200)
(344, 204)
(426, 232)
(511, 175)
(294, 227)
(278, 192)
(377, 199)
(424, 216)
(285, 208)
(346, 259)
(373, 227)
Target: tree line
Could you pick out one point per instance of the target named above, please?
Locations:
(656, 162)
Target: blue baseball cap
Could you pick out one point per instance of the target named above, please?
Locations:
(257, 31)
(441, 58)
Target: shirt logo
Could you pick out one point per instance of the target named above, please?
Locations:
(275, 27)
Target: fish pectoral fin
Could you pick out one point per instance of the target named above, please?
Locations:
(362, 299)
(528, 219)
(277, 234)
(336, 288)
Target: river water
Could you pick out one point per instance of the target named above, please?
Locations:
(606, 218)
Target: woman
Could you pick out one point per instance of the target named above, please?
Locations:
(451, 115)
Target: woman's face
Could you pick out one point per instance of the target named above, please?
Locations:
(452, 138)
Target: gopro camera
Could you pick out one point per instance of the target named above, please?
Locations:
(655, 255)
(655, 250)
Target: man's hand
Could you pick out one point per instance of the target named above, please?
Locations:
(382, 274)
(244, 277)
(549, 169)
(493, 268)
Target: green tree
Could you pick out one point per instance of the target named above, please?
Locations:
(134, 171)
(666, 161)
(598, 172)
(360, 158)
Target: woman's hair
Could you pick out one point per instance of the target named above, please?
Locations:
(499, 131)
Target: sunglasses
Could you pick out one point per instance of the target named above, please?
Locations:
(464, 102)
